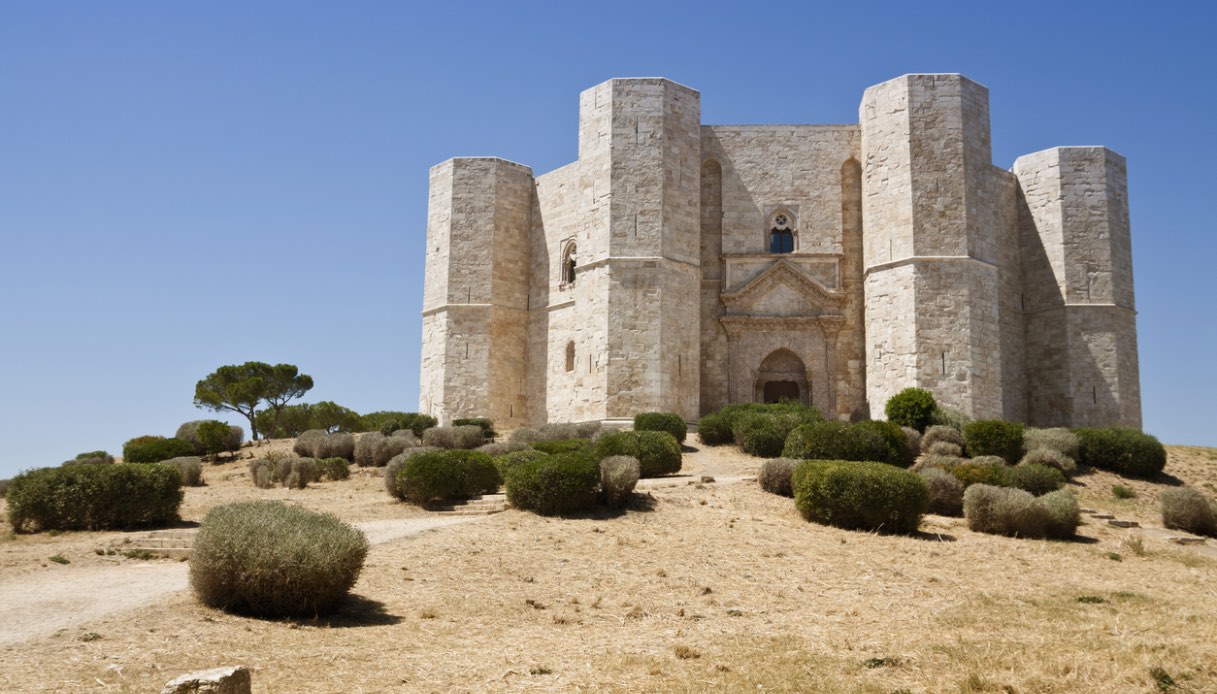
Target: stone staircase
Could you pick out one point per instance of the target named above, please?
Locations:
(474, 506)
(172, 544)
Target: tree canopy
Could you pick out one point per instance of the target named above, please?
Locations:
(241, 388)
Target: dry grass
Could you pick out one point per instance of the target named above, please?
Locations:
(715, 588)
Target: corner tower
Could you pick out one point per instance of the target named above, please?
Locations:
(929, 245)
(475, 293)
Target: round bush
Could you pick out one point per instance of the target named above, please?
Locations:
(860, 495)
(94, 497)
(500, 447)
(950, 417)
(713, 430)
(1003, 511)
(946, 492)
(388, 422)
(1036, 479)
(374, 449)
(1187, 509)
(618, 477)
(912, 439)
(487, 426)
(670, 422)
(657, 451)
(154, 449)
(1122, 450)
(763, 434)
(939, 462)
(335, 468)
(941, 434)
(509, 460)
(210, 436)
(836, 441)
(944, 448)
(911, 407)
(775, 476)
(444, 474)
(1051, 458)
(994, 437)
(1057, 439)
(899, 453)
(564, 446)
(91, 458)
(556, 484)
(971, 472)
(270, 559)
(319, 443)
(189, 467)
(466, 437)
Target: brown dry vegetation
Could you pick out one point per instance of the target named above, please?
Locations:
(717, 587)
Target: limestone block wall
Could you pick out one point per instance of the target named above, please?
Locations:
(1077, 276)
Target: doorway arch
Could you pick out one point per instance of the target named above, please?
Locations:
(782, 376)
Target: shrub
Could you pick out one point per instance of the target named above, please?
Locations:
(482, 423)
(911, 407)
(994, 437)
(219, 436)
(775, 476)
(154, 449)
(670, 422)
(556, 431)
(1003, 511)
(189, 467)
(657, 452)
(1119, 491)
(94, 497)
(387, 422)
(763, 434)
(949, 417)
(899, 453)
(467, 437)
(942, 434)
(802, 413)
(618, 477)
(1036, 479)
(335, 468)
(564, 446)
(1052, 458)
(971, 472)
(939, 462)
(1057, 439)
(912, 439)
(556, 484)
(318, 443)
(91, 458)
(1122, 450)
(500, 447)
(509, 460)
(262, 472)
(270, 559)
(437, 475)
(860, 495)
(713, 430)
(374, 449)
(836, 441)
(1185, 508)
(4, 487)
(945, 448)
(946, 492)
(293, 473)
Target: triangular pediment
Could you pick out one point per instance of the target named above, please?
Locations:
(783, 290)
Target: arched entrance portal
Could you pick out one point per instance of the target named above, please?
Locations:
(782, 376)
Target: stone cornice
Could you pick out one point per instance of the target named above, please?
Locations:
(783, 272)
(736, 325)
(919, 259)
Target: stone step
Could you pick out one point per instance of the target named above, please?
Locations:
(1123, 523)
(1186, 540)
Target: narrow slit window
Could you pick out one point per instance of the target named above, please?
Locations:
(570, 356)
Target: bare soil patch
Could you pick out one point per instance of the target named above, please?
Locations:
(715, 587)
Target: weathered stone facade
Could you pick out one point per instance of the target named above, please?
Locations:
(677, 266)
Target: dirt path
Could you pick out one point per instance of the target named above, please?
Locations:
(38, 605)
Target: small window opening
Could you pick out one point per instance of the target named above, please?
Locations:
(568, 265)
(781, 234)
(570, 355)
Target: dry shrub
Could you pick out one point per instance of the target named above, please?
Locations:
(775, 476)
(509, 460)
(500, 447)
(657, 451)
(912, 440)
(946, 492)
(944, 448)
(1051, 457)
(940, 432)
(1187, 509)
(939, 462)
(618, 476)
(91, 458)
(334, 468)
(269, 559)
(555, 431)
(293, 473)
(1006, 511)
(374, 449)
(464, 437)
(319, 443)
(190, 468)
(1056, 439)
(1037, 479)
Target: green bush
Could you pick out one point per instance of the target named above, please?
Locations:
(387, 422)
(942, 434)
(219, 437)
(94, 497)
(557, 484)
(1056, 439)
(564, 446)
(1004, 511)
(670, 422)
(618, 477)
(556, 431)
(949, 417)
(189, 467)
(270, 559)
(334, 468)
(482, 423)
(154, 449)
(911, 407)
(500, 447)
(1122, 450)
(395, 465)
(91, 458)
(1036, 479)
(466, 437)
(1052, 458)
(318, 443)
(946, 492)
(4, 487)
(374, 449)
(505, 462)
(860, 495)
(713, 430)
(763, 434)
(994, 437)
(657, 452)
(803, 414)
(899, 453)
(1119, 491)
(971, 472)
(445, 474)
(1187, 509)
(836, 441)
(776, 474)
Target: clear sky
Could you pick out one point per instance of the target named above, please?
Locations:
(190, 184)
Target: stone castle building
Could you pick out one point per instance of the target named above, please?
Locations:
(678, 266)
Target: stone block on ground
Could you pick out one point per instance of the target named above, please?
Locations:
(222, 680)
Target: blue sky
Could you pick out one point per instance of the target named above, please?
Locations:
(186, 185)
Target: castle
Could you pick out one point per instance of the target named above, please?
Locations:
(679, 267)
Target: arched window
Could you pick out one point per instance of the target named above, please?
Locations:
(570, 355)
(781, 232)
(568, 264)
